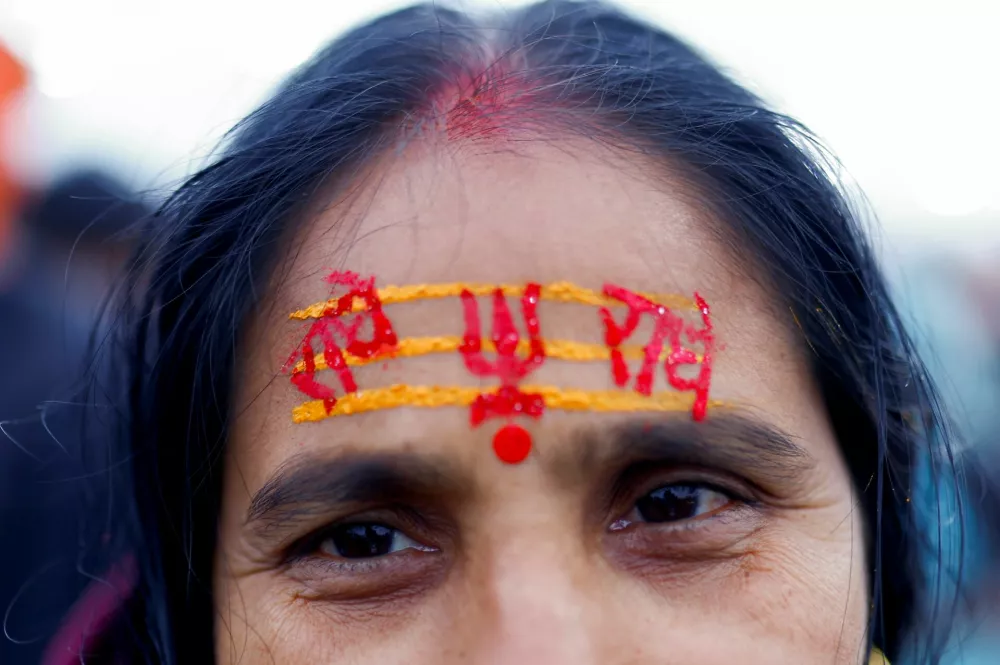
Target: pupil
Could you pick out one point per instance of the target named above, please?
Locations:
(669, 504)
(358, 541)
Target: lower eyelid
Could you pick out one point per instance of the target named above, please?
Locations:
(733, 511)
(342, 565)
(322, 570)
(721, 536)
(324, 579)
(721, 513)
(732, 515)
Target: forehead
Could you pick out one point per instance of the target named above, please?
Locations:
(537, 212)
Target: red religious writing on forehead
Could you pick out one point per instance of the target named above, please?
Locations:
(512, 443)
(669, 328)
(340, 321)
(334, 341)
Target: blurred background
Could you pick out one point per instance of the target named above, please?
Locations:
(107, 104)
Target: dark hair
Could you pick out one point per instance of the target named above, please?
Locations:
(590, 69)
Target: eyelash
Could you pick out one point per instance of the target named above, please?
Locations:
(399, 520)
(642, 478)
(698, 486)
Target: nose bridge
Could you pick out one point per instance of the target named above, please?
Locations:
(541, 606)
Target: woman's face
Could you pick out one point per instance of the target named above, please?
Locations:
(398, 536)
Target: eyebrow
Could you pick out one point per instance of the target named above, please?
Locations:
(308, 483)
(743, 445)
(740, 444)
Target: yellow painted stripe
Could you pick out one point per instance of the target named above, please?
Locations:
(399, 395)
(557, 291)
(560, 349)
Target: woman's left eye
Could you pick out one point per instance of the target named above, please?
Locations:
(678, 502)
(366, 541)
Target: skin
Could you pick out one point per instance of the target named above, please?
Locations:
(547, 561)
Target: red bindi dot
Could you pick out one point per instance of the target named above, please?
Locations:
(512, 444)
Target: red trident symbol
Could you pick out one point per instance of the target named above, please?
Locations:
(331, 325)
(511, 443)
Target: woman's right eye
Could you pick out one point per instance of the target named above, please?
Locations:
(366, 541)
